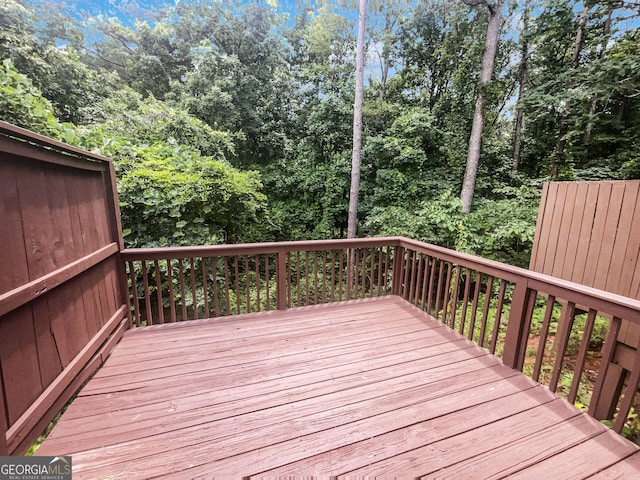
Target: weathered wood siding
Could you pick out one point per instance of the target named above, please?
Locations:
(60, 293)
(589, 233)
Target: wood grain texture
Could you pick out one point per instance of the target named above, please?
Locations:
(358, 387)
(586, 233)
(59, 287)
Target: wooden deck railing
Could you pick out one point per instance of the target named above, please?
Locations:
(513, 312)
(187, 283)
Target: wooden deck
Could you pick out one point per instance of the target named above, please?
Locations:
(361, 388)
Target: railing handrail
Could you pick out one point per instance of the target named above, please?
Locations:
(163, 253)
(611, 303)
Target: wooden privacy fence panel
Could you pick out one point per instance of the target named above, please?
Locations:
(60, 291)
(589, 233)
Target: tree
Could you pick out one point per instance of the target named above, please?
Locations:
(486, 71)
(523, 78)
(561, 139)
(357, 124)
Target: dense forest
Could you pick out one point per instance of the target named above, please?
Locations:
(233, 122)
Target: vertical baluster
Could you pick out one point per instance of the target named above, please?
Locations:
(425, 281)
(183, 303)
(454, 299)
(379, 284)
(372, 272)
(416, 297)
(333, 275)
(412, 276)
(629, 394)
(258, 306)
(562, 337)
(465, 301)
(226, 286)
(447, 292)
(236, 283)
(194, 295)
(542, 342)
(298, 276)
(266, 280)
(498, 317)
(205, 287)
(474, 305)
(364, 271)
(315, 277)
(405, 276)
(340, 275)
(172, 299)
(214, 274)
(485, 310)
(608, 350)
(356, 253)
(439, 292)
(324, 278)
(432, 279)
(159, 292)
(134, 287)
(582, 355)
(147, 295)
(288, 279)
(386, 272)
(248, 286)
(306, 276)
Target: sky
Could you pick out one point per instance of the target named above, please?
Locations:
(128, 11)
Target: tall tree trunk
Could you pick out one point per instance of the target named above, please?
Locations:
(390, 19)
(594, 99)
(561, 139)
(523, 79)
(488, 61)
(357, 125)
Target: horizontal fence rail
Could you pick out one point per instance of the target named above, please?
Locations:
(561, 334)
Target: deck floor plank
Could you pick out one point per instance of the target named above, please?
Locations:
(369, 387)
(629, 468)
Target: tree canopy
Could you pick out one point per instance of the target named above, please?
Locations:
(233, 122)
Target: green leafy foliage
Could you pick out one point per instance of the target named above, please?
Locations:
(171, 195)
(199, 84)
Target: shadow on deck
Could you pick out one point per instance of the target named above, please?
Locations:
(358, 388)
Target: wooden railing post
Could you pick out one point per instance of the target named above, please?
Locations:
(398, 274)
(281, 278)
(515, 344)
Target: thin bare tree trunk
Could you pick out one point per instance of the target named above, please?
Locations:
(523, 81)
(357, 125)
(561, 140)
(488, 61)
(357, 142)
(594, 99)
